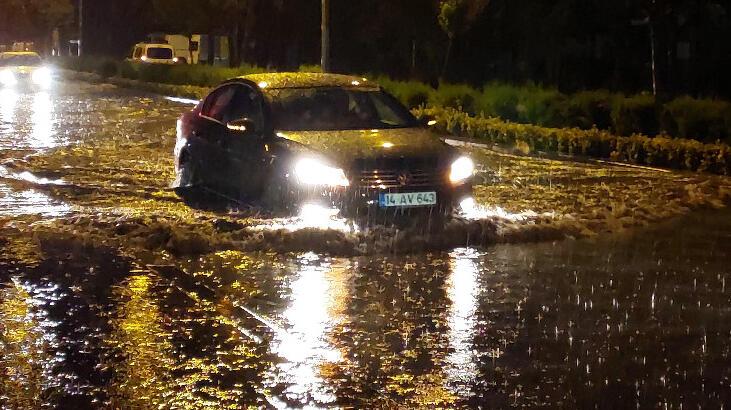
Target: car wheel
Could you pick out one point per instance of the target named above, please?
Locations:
(192, 190)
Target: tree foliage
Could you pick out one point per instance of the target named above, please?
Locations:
(33, 18)
(456, 17)
(569, 44)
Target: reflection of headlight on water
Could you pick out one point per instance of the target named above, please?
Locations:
(313, 172)
(472, 210)
(313, 214)
(42, 77)
(7, 78)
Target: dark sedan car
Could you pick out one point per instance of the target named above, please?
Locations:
(291, 139)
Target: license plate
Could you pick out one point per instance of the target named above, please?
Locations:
(408, 199)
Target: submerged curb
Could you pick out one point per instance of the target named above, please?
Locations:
(181, 91)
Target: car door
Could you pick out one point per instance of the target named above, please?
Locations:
(237, 159)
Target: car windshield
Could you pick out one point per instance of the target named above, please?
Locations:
(323, 109)
(159, 53)
(20, 60)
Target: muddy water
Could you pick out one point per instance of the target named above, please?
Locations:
(639, 320)
(635, 319)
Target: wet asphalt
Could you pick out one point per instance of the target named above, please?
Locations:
(640, 319)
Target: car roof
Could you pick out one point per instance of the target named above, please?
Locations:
(19, 53)
(159, 45)
(308, 80)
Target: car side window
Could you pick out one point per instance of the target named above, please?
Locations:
(219, 103)
(246, 103)
(137, 53)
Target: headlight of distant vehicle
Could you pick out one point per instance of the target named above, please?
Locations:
(313, 172)
(42, 77)
(462, 169)
(7, 78)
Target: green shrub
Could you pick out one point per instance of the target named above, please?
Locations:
(499, 100)
(636, 114)
(666, 152)
(588, 109)
(541, 106)
(310, 68)
(459, 96)
(703, 120)
(411, 93)
(108, 68)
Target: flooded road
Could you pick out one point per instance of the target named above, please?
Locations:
(115, 295)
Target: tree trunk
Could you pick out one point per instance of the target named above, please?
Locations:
(446, 58)
(654, 58)
(325, 52)
(233, 47)
(81, 27)
(211, 49)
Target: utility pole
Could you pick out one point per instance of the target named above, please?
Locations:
(81, 25)
(648, 21)
(325, 55)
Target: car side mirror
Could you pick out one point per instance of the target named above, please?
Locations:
(243, 126)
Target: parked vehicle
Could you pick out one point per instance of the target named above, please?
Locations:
(185, 49)
(24, 68)
(21, 46)
(154, 53)
(292, 139)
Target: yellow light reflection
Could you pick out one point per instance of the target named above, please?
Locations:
(318, 302)
(472, 210)
(42, 135)
(143, 379)
(23, 359)
(461, 368)
(8, 101)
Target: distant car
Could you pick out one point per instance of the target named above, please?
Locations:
(293, 139)
(24, 68)
(154, 53)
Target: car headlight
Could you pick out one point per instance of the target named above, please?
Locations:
(462, 169)
(313, 172)
(42, 77)
(7, 78)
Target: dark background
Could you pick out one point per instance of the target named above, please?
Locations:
(570, 44)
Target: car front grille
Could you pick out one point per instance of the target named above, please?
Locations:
(390, 179)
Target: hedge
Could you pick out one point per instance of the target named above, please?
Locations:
(589, 111)
(701, 119)
(674, 153)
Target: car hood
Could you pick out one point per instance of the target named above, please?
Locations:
(348, 146)
(21, 69)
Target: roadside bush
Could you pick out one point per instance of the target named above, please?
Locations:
(682, 154)
(635, 114)
(499, 100)
(310, 68)
(108, 68)
(703, 120)
(459, 96)
(588, 109)
(541, 106)
(411, 93)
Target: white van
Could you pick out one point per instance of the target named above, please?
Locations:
(187, 48)
(154, 53)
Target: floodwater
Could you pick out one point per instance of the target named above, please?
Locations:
(638, 318)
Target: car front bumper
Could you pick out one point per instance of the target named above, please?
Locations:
(353, 202)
